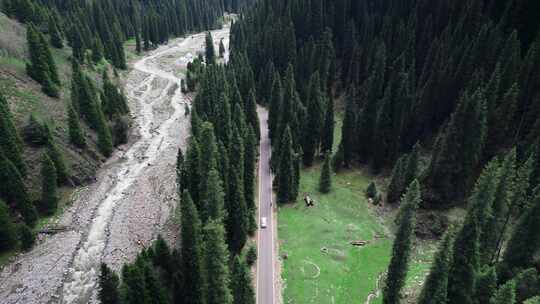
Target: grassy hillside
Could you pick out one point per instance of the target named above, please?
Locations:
(25, 98)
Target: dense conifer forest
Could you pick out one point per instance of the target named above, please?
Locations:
(439, 98)
(442, 95)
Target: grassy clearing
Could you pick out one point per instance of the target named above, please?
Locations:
(319, 237)
(321, 266)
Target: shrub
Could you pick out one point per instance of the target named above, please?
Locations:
(251, 255)
(27, 237)
(371, 191)
(34, 132)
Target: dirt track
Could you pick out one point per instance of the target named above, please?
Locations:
(133, 198)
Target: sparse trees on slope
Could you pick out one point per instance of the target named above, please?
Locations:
(397, 270)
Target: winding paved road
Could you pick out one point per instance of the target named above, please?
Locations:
(265, 261)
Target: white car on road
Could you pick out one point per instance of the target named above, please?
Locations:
(263, 222)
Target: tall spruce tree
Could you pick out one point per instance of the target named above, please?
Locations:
(108, 286)
(216, 264)
(49, 196)
(76, 134)
(250, 159)
(523, 244)
(506, 294)
(397, 270)
(54, 33)
(315, 120)
(348, 131)
(192, 253)
(285, 172)
(241, 283)
(8, 233)
(325, 181)
(210, 53)
(10, 141)
(327, 134)
(435, 287)
(13, 190)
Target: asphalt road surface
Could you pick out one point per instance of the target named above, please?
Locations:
(265, 261)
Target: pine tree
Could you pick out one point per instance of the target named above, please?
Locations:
(236, 222)
(76, 134)
(215, 198)
(216, 265)
(193, 169)
(312, 132)
(138, 46)
(523, 244)
(192, 253)
(486, 284)
(250, 159)
(132, 289)
(8, 234)
(436, 284)
(105, 141)
(210, 54)
(55, 37)
(10, 141)
(397, 270)
(221, 49)
(251, 113)
(348, 131)
(285, 169)
(457, 152)
(49, 196)
(241, 283)
(208, 163)
(27, 237)
(154, 291)
(325, 181)
(97, 50)
(506, 294)
(327, 135)
(13, 190)
(108, 286)
(276, 99)
(58, 159)
(395, 187)
(462, 274)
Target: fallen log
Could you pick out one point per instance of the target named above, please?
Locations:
(359, 243)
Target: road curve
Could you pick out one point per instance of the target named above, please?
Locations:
(266, 252)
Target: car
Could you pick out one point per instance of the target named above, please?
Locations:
(263, 222)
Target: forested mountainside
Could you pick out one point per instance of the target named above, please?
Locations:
(459, 78)
(445, 94)
(60, 95)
